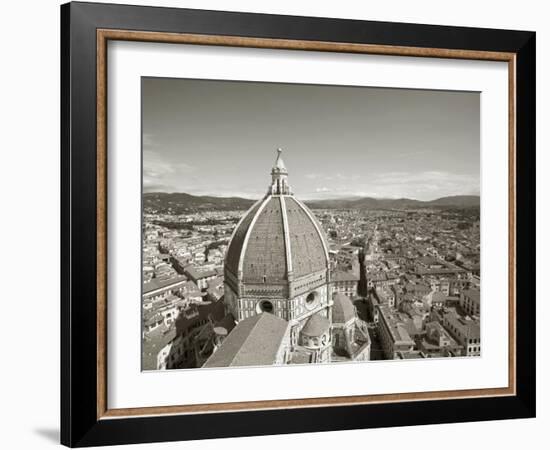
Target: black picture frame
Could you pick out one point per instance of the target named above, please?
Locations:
(80, 425)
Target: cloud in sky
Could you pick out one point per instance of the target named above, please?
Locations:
(417, 185)
(160, 174)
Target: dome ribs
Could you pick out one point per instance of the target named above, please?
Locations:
(264, 255)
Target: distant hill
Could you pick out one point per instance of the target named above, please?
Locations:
(179, 203)
(461, 201)
(453, 202)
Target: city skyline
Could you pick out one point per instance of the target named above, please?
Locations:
(338, 141)
(280, 282)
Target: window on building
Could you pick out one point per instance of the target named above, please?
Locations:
(266, 306)
(311, 298)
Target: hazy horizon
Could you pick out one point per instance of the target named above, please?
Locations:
(351, 197)
(218, 138)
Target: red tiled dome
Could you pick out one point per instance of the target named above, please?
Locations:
(316, 326)
(342, 309)
(278, 235)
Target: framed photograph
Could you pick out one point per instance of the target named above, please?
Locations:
(277, 224)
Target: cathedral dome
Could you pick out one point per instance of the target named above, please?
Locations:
(343, 309)
(278, 239)
(316, 326)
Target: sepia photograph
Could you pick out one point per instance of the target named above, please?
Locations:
(292, 224)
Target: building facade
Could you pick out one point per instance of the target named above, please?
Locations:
(345, 283)
(394, 337)
(465, 331)
(469, 301)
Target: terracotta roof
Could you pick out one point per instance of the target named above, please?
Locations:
(264, 254)
(306, 243)
(317, 325)
(343, 309)
(236, 244)
(254, 341)
(259, 242)
(340, 275)
(468, 328)
(153, 343)
(197, 273)
(156, 283)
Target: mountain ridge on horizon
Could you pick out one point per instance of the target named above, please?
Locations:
(185, 202)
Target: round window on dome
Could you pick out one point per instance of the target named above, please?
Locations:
(266, 306)
(311, 299)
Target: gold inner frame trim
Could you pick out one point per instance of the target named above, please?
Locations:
(104, 35)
